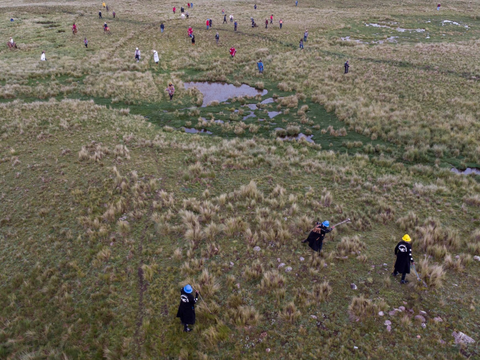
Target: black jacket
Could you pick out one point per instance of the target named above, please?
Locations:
(186, 309)
(316, 236)
(403, 250)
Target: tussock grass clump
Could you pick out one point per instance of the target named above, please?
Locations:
(472, 200)
(408, 222)
(290, 313)
(246, 316)
(322, 291)
(272, 280)
(433, 233)
(254, 271)
(350, 245)
(361, 308)
(432, 274)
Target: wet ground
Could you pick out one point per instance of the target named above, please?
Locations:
(222, 92)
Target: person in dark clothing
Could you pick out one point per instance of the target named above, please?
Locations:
(99, 14)
(182, 10)
(301, 44)
(113, 14)
(266, 24)
(193, 39)
(235, 24)
(217, 37)
(186, 309)
(403, 251)
(210, 22)
(316, 236)
(162, 27)
(225, 18)
(255, 6)
(346, 66)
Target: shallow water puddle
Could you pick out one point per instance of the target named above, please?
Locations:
(448, 22)
(399, 29)
(272, 114)
(467, 171)
(222, 92)
(251, 115)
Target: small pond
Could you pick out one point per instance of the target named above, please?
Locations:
(467, 171)
(221, 92)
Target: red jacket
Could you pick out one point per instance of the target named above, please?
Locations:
(233, 51)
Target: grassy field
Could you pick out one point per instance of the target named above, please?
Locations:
(108, 207)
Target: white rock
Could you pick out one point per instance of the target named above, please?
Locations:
(476, 257)
(313, 317)
(355, 347)
(380, 313)
(420, 318)
(353, 286)
(387, 322)
(385, 264)
(281, 265)
(256, 248)
(288, 269)
(424, 325)
(278, 259)
(423, 312)
(389, 328)
(302, 258)
(461, 338)
(231, 263)
(402, 308)
(392, 313)
(437, 319)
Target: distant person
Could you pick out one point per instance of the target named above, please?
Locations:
(186, 309)
(260, 66)
(155, 57)
(235, 26)
(191, 5)
(223, 11)
(438, 7)
(346, 66)
(193, 39)
(105, 27)
(42, 57)
(11, 41)
(224, 19)
(296, 3)
(162, 27)
(190, 31)
(301, 44)
(281, 23)
(305, 35)
(233, 51)
(85, 41)
(231, 18)
(74, 29)
(255, 6)
(403, 251)
(271, 19)
(104, 5)
(188, 15)
(113, 13)
(266, 23)
(107, 9)
(210, 22)
(317, 235)
(174, 8)
(217, 37)
(99, 14)
(207, 23)
(170, 90)
(188, 5)
(137, 55)
(182, 10)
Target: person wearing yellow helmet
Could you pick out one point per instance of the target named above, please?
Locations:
(403, 251)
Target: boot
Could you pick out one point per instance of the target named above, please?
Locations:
(403, 281)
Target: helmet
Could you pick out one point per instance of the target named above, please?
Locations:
(188, 289)
(326, 223)
(406, 238)
(136, 49)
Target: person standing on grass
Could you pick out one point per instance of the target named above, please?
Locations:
(186, 310)
(281, 23)
(188, 15)
(207, 23)
(42, 57)
(346, 66)
(174, 8)
(113, 13)
(231, 18)
(225, 19)
(235, 26)
(162, 27)
(266, 24)
(106, 8)
(296, 3)
(11, 41)
(170, 90)
(191, 5)
(271, 19)
(210, 22)
(190, 31)
(188, 5)
(316, 236)
(217, 37)
(155, 57)
(99, 14)
(182, 10)
(193, 39)
(260, 66)
(233, 51)
(305, 35)
(85, 41)
(301, 44)
(255, 6)
(137, 55)
(403, 251)
(74, 29)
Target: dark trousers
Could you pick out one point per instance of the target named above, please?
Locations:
(171, 96)
(346, 70)
(403, 274)
(281, 26)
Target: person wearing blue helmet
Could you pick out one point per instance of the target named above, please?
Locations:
(316, 236)
(186, 310)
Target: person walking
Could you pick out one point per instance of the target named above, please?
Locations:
(217, 37)
(305, 35)
(188, 15)
(162, 27)
(210, 22)
(190, 32)
(260, 66)
(301, 44)
(225, 19)
(231, 18)
(281, 23)
(296, 3)
(403, 251)
(106, 8)
(186, 309)
(74, 29)
(170, 90)
(207, 23)
(255, 6)
(188, 5)
(99, 14)
(266, 23)
(233, 51)
(235, 26)
(137, 54)
(85, 41)
(113, 14)
(271, 19)
(174, 8)
(42, 57)
(316, 236)
(346, 66)
(104, 5)
(191, 5)
(193, 39)
(182, 10)
(155, 57)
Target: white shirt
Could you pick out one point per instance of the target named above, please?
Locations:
(155, 57)
(11, 40)
(42, 58)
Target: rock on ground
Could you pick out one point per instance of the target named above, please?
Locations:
(461, 338)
